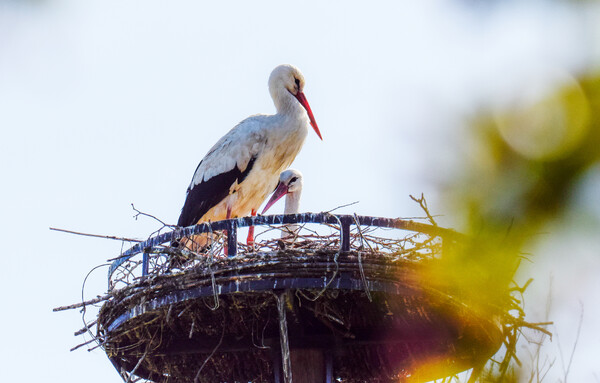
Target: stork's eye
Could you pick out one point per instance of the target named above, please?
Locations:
(294, 179)
(297, 82)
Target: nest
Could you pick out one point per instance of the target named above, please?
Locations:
(370, 314)
(372, 317)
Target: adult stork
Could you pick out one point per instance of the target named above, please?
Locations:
(243, 167)
(290, 186)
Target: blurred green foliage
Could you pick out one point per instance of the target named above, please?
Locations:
(530, 159)
(527, 163)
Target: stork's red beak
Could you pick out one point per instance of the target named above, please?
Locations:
(302, 99)
(281, 190)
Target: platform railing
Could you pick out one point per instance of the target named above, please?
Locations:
(155, 244)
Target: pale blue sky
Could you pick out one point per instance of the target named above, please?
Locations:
(105, 103)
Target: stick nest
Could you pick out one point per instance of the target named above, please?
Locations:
(371, 335)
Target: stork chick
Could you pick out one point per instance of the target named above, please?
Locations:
(290, 186)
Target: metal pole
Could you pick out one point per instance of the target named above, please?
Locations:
(328, 366)
(145, 262)
(345, 220)
(232, 238)
(283, 338)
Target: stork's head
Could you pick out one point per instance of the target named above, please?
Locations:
(290, 181)
(287, 78)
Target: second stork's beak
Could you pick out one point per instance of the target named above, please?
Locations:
(281, 190)
(302, 100)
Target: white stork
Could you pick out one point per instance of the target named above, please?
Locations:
(242, 168)
(290, 186)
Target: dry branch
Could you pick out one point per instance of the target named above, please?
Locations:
(423, 203)
(97, 235)
(81, 304)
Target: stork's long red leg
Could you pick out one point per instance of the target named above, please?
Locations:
(250, 239)
(225, 245)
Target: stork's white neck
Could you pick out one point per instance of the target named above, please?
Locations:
(292, 206)
(287, 104)
(288, 129)
(292, 202)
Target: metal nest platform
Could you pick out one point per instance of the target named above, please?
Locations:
(346, 306)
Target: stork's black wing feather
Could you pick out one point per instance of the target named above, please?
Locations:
(207, 194)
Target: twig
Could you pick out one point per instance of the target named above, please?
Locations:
(337, 266)
(138, 364)
(83, 344)
(192, 329)
(168, 317)
(362, 272)
(97, 235)
(81, 304)
(138, 213)
(324, 314)
(341, 206)
(95, 347)
(575, 344)
(84, 306)
(535, 326)
(196, 379)
(85, 329)
(262, 335)
(522, 289)
(423, 203)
